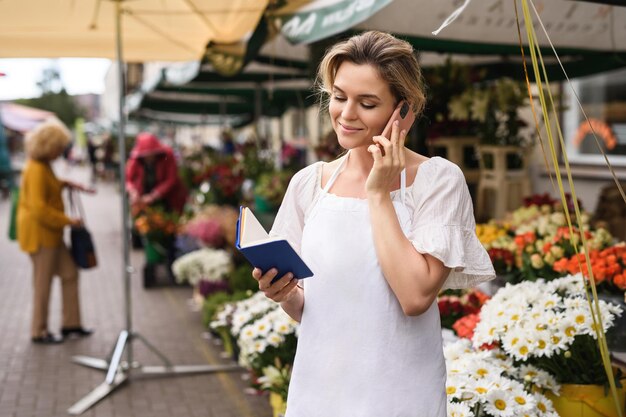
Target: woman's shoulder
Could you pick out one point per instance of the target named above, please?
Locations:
(35, 167)
(434, 168)
(307, 175)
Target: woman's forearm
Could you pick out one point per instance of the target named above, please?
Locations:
(412, 277)
(295, 304)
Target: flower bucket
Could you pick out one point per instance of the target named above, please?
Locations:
(155, 252)
(279, 406)
(586, 401)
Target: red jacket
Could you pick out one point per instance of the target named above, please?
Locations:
(168, 184)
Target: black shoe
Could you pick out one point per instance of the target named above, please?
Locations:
(76, 332)
(48, 339)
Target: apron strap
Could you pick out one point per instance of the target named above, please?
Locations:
(403, 186)
(333, 177)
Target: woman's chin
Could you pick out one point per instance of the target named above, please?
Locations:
(352, 143)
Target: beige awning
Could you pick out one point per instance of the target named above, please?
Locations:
(164, 30)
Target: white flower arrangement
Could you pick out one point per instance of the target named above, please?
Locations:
(484, 383)
(268, 331)
(223, 318)
(549, 325)
(249, 310)
(204, 264)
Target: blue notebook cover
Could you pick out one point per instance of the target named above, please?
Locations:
(264, 252)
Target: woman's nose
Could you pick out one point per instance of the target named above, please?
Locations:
(349, 111)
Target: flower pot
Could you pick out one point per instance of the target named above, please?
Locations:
(586, 401)
(279, 406)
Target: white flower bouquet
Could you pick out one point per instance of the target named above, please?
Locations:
(548, 325)
(485, 383)
(270, 337)
(204, 264)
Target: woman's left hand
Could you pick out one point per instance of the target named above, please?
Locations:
(389, 160)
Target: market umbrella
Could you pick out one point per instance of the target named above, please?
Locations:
(137, 30)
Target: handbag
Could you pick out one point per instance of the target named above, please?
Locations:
(15, 197)
(81, 244)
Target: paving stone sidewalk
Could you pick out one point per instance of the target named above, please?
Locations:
(40, 381)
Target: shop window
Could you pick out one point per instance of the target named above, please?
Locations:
(603, 98)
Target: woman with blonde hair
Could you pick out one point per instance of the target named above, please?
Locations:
(40, 223)
(383, 229)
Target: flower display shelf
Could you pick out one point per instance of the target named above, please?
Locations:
(455, 149)
(507, 184)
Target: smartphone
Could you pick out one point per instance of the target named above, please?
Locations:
(404, 115)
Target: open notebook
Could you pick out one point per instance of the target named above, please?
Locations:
(265, 252)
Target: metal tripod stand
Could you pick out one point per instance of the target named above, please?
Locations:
(117, 370)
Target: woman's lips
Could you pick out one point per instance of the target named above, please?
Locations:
(348, 129)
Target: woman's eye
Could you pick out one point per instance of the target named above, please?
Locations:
(339, 98)
(368, 106)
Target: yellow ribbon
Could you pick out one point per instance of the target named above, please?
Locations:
(594, 305)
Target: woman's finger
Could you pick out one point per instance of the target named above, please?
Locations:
(278, 285)
(266, 280)
(376, 153)
(286, 290)
(385, 143)
(395, 133)
(401, 152)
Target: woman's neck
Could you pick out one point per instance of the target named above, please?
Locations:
(360, 162)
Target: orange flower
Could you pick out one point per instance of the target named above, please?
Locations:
(620, 281)
(560, 266)
(547, 247)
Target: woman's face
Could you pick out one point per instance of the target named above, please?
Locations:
(361, 104)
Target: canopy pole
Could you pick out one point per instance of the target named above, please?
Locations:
(118, 371)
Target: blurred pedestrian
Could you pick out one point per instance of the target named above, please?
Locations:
(152, 181)
(40, 223)
(152, 176)
(93, 160)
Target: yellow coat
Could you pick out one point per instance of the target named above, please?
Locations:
(40, 214)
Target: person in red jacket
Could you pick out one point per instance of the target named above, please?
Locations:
(152, 175)
(152, 180)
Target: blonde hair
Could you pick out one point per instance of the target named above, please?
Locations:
(393, 58)
(47, 140)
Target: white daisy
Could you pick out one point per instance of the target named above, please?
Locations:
(459, 410)
(500, 403)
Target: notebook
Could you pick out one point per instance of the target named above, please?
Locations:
(265, 252)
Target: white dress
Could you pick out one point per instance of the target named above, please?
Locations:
(358, 355)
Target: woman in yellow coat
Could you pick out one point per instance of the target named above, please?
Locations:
(40, 223)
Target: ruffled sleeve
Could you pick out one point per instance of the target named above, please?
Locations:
(289, 221)
(443, 224)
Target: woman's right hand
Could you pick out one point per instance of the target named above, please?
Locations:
(281, 290)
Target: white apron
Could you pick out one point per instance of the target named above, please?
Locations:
(358, 355)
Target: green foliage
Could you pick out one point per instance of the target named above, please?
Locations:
(271, 186)
(241, 279)
(61, 103)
